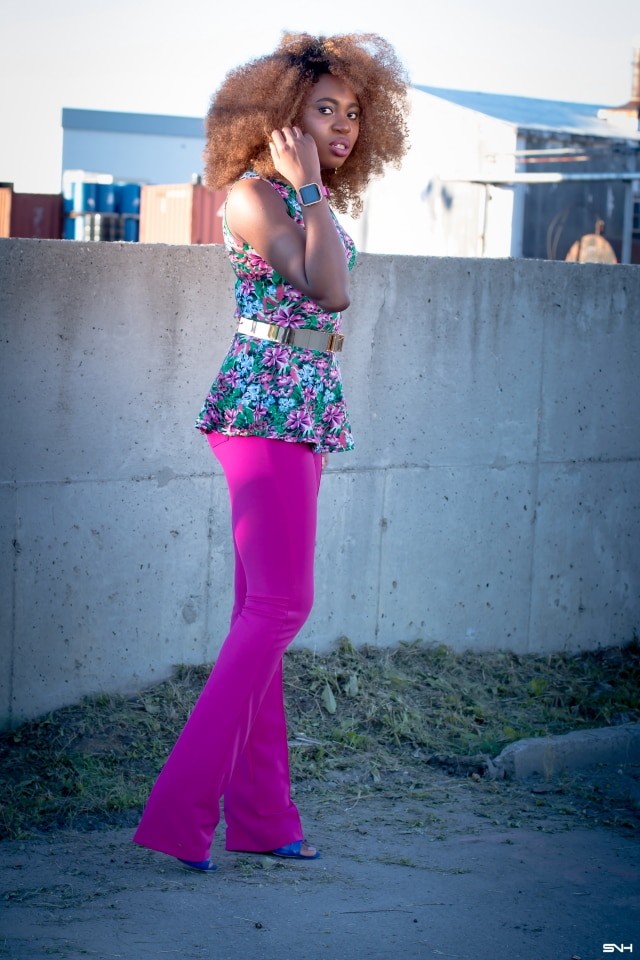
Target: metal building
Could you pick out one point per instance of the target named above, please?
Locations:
(133, 147)
(499, 176)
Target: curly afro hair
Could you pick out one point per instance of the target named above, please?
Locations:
(269, 93)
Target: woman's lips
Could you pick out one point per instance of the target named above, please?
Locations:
(339, 148)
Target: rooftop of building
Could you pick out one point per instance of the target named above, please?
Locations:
(529, 113)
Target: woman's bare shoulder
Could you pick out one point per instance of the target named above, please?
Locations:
(253, 204)
(252, 191)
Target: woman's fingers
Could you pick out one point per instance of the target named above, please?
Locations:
(285, 132)
(290, 137)
(294, 153)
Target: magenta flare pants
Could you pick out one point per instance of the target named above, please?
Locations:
(234, 744)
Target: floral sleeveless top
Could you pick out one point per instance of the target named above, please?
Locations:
(267, 389)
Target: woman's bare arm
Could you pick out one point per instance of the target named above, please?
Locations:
(311, 259)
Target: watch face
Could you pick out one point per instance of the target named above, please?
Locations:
(310, 194)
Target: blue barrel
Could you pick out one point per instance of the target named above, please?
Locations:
(79, 225)
(85, 196)
(106, 198)
(69, 228)
(117, 193)
(131, 229)
(67, 197)
(130, 198)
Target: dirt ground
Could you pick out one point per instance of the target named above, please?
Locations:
(448, 867)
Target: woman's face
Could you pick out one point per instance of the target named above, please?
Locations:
(331, 115)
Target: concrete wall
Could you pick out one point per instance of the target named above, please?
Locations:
(493, 499)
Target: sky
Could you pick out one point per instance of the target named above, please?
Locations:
(168, 58)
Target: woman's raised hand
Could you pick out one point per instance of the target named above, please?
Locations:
(295, 156)
(309, 255)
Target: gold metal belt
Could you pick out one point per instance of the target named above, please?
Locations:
(292, 336)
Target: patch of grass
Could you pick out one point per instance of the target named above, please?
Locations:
(86, 764)
(414, 700)
(390, 709)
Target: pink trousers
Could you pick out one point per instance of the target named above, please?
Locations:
(234, 744)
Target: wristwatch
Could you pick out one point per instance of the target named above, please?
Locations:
(311, 193)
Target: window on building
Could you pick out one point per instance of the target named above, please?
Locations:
(635, 228)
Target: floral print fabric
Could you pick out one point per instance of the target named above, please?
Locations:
(267, 389)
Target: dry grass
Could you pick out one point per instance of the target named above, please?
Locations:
(355, 711)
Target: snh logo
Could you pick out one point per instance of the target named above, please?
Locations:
(617, 948)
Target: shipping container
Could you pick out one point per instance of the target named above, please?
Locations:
(36, 215)
(5, 211)
(181, 213)
(208, 211)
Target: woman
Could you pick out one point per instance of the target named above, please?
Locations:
(318, 117)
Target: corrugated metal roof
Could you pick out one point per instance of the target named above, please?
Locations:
(156, 124)
(528, 113)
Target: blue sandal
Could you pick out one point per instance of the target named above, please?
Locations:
(293, 851)
(205, 866)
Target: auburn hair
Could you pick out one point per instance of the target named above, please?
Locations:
(269, 93)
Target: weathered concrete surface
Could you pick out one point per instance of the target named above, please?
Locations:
(550, 756)
(493, 500)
